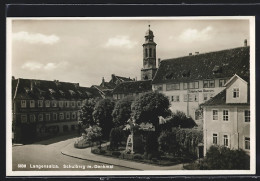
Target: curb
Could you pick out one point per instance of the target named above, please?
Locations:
(67, 153)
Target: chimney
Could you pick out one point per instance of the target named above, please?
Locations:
(190, 54)
(103, 82)
(196, 53)
(32, 86)
(76, 85)
(245, 43)
(159, 62)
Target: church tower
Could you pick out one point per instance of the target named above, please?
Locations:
(149, 57)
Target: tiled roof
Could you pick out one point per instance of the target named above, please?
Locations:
(133, 87)
(43, 89)
(219, 64)
(116, 78)
(220, 99)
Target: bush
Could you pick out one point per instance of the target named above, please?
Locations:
(222, 158)
(138, 157)
(116, 136)
(116, 153)
(102, 152)
(154, 160)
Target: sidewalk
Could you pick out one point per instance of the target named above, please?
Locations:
(86, 154)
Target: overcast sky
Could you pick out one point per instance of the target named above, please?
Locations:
(84, 51)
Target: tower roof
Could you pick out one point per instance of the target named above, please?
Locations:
(149, 32)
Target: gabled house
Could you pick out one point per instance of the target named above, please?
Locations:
(227, 116)
(106, 88)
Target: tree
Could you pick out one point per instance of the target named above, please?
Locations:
(122, 111)
(179, 119)
(94, 134)
(168, 143)
(86, 112)
(149, 107)
(102, 115)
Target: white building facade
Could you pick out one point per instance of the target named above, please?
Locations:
(227, 117)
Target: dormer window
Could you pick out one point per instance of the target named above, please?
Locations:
(62, 93)
(52, 91)
(217, 69)
(80, 93)
(235, 92)
(72, 92)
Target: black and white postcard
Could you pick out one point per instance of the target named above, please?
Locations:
(131, 96)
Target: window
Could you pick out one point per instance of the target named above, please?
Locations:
(172, 87)
(47, 103)
(54, 103)
(67, 103)
(190, 97)
(191, 85)
(72, 103)
(208, 84)
(23, 118)
(40, 117)
(61, 116)
(146, 52)
(196, 98)
(60, 103)
(215, 114)
(185, 85)
(150, 52)
(48, 117)
(225, 140)
(247, 143)
(222, 82)
(172, 98)
(158, 87)
(247, 116)
(40, 103)
(73, 115)
(185, 98)
(32, 118)
(225, 115)
(67, 115)
(198, 114)
(55, 116)
(23, 103)
(79, 103)
(32, 103)
(235, 92)
(205, 97)
(196, 85)
(177, 98)
(215, 138)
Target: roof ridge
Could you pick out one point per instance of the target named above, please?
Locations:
(168, 59)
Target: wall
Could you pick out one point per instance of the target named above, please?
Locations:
(236, 128)
(242, 85)
(189, 108)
